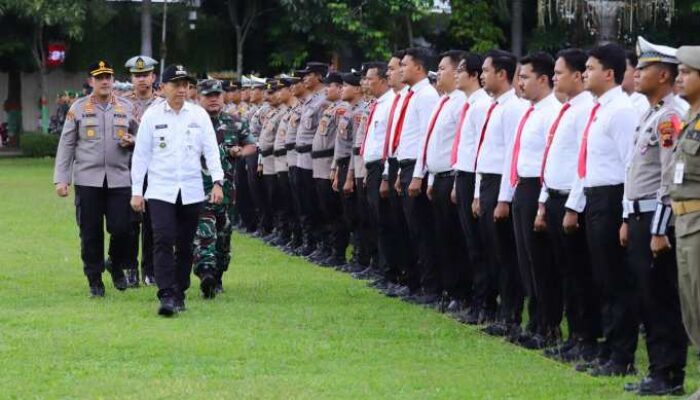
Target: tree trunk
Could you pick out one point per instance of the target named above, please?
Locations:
(239, 54)
(13, 104)
(409, 30)
(40, 61)
(146, 42)
(516, 28)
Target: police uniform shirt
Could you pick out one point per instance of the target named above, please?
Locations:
(479, 102)
(344, 137)
(654, 141)
(359, 124)
(498, 139)
(291, 133)
(267, 137)
(324, 139)
(168, 147)
(308, 124)
(258, 119)
(562, 160)
(610, 141)
(88, 151)
(416, 120)
(376, 131)
(280, 141)
(141, 105)
(436, 146)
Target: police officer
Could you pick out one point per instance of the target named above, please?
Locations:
(173, 135)
(142, 78)
(94, 153)
(334, 236)
(312, 110)
(685, 193)
(646, 232)
(266, 143)
(244, 201)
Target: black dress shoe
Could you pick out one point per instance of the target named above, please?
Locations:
(612, 368)
(556, 351)
(455, 306)
(132, 277)
(589, 365)
(496, 329)
(533, 342)
(207, 286)
(97, 289)
(149, 280)
(118, 279)
(305, 250)
(585, 352)
(180, 305)
(655, 386)
(168, 307)
(487, 317)
(398, 291)
(334, 261)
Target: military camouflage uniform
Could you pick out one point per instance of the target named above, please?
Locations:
(212, 242)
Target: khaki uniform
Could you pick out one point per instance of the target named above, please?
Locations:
(266, 140)
(280, 150)
(311, 114)
(685, 193)
(323, 146)
(359, 125)
(290, 140)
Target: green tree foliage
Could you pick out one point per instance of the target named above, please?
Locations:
(472, 24)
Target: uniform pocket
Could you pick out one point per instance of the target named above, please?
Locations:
(89, 129)
(121, 128)
(690, 146)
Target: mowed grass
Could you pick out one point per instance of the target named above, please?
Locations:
(284, 329)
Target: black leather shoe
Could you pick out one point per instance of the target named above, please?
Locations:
(333, 261)
(168, 307)
(496, 329)
(612, 368)
(180, 305)
(557, 351)
(366, 274)
(589, 365)
(305, 250)
(132, 277)
(97, 289)
(487, 317)
(455, 306)
(581, 352)
(118, 279)
(149, 280)
(659, 387)
(533, 342)
(398, 291)
(207, 285)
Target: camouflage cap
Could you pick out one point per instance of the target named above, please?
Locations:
(209, 86)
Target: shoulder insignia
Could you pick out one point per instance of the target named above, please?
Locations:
(669, 129)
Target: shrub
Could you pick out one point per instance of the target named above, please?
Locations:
(38, 144)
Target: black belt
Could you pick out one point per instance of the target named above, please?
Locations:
(343, 161)
(407, 163)
(356, 151)
(446, 174)
(267, 153)
(465, 173)
(376, 163)
(280, 152)
(322, 153)
(601, 189)
(490, 177)
(290, 146)
(303, 149)
(558, 194)
(528, 181)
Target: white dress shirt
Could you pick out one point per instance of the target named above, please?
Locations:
(610, 141)
(494, 157)
(395, 119)
(415, 124)
(479, 102)
(376, 131)
(562, 160)
(439, 147)
(169, 147)
(640, 103)
(532, 141)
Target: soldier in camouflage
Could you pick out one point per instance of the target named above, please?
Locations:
(212, 243)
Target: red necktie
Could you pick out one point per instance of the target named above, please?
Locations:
(550, 138)
(458, 134)
(432, 126)
(483, 132)
(399, 123)
(516, 148)
(388, 126)
(583, 151)
(372, 107)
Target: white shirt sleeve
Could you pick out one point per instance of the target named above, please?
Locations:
(141, 159)
(210, 150)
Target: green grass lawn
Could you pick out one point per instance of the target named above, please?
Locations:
(284, 329)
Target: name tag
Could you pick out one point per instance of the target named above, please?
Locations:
(678, 174)
(162, 126)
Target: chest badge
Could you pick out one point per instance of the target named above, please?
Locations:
(90, 133)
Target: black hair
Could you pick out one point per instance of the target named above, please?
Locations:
(455, 56)
(542, 64)
(611, 56)
(672, 71)
(399, 54)
(473, 64)
(631, 57)
(503, 61)
(575, 59)
(421, 56)
(379, 65)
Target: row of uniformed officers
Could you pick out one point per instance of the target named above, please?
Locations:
(541, 179)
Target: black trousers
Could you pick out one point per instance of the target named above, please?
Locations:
(484, 290)
(255, 187)
(393, 252)
(140, 231)
(579, 298)
(296, 204)
(349, 212)
(94, 206)
(244, 201)
(284, 204)
(419, 219)
(174, 227)
(268, 204)
(365, 226)
(499, 245)
(310, 213)
(333, 225)
(451, 254)
(657, 287)
(535, 260)
(611, 273)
